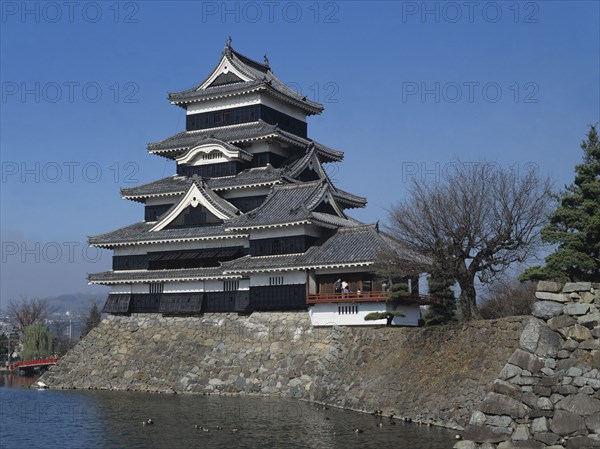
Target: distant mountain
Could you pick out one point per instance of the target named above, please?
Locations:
(77, 303)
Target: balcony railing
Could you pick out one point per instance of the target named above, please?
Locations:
(376, 296)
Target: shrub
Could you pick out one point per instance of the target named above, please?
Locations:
(508, 298)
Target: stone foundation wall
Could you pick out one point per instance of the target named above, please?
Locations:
(548, 394)
(434, 375)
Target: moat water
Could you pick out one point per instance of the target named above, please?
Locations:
(31, 418)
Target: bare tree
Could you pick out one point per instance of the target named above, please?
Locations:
(508, 297)
(475, 224)
(26, 312)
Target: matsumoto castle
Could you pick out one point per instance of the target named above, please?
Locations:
(250, 221)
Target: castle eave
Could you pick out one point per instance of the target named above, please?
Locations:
(159, 276)
(268, 226)
(109, 245)
(239, 89)
(306, 266)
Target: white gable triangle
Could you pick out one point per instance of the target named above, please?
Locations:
(225, 66)
(193, 197)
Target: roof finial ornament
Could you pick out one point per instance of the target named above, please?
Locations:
(228, 44)
(266, 60)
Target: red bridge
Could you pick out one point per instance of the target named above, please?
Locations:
(31, 364)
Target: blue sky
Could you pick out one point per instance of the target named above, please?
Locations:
(407, 86)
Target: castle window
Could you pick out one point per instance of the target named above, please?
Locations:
(211, 155)
(276, 280)
(157, 288)
(347, 310)
(231, 286)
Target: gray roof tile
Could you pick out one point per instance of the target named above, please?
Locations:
(297, 166)
(140, 233)
(349, 199)
(148, 275)
(268, 175)
(330, 219)
(176, 185)
(359, 244)
(287, 203)
(249, 177)
(172, 185)
(356, 245)
(261, 78)
(173, 146)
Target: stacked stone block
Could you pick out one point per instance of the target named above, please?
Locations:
(401, 371)
(548, 394)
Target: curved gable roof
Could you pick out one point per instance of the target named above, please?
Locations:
(294, 203)
(197, 193)
(249, 76)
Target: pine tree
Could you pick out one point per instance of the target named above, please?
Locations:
(3, 346)
(575, 224)
(443, 308)
(398, 291)
(92, 320)
(37, 342)
(388, 316)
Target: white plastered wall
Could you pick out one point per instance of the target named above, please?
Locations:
(184, 287)
(130, 288)
(328, 314)
(246, 100)
(289, 277)
(285, 231)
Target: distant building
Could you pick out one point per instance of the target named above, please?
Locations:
(250, 221)
(5, 325)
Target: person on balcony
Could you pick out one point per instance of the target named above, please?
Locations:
(345, 289)
(337, 286)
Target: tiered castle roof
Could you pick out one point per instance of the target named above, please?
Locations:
(348, 247)
(279, 170)
(240, 134)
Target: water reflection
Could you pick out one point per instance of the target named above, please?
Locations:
(14, 380)
(90, 419)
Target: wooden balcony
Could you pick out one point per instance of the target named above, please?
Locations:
(377, 296)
